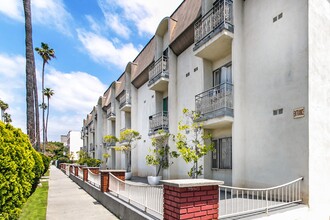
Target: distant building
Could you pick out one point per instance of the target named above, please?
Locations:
(73, 142)
(64, 140)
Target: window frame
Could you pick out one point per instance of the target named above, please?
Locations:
(216, 163)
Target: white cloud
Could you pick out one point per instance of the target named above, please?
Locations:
(13, 9)
(105, 51)
(12, 87)
(145, 14)
(75, 91)
(51, 13)
(94, 25)
(75, 95)
(114, 21)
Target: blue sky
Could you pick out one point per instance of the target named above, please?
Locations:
(93, 42)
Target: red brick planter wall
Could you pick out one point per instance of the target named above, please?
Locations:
(104, 181)
(119, 174)
(85, 174)
(196, 199)
(191, 202)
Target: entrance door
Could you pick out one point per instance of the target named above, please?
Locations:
(165, 104)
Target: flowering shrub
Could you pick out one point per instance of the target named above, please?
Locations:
(20, 168)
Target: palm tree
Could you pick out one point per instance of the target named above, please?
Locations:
(48, 92)
(3, 107)
(31, 101)
(7, 118)
(46, 54)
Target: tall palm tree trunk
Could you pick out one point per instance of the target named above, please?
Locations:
(36, 105)
(46, 130)
(30, 72)
(43, 106)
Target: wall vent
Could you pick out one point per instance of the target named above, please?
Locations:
(278, 111)
(278, 17)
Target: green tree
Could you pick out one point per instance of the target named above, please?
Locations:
(46, 54)
(3, 106)
(7, 118)
(108, 140)
(32, 111)
(57, 150)
(160, 153)
(192, 142)
(127, 138)
(48, 92)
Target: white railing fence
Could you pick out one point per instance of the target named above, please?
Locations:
(67, 170)
(145, 197)
(94, 179)
(80, 173)
(237, 201)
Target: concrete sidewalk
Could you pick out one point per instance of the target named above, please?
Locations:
(66, 200)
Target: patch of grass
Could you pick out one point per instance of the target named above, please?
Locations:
(47, 173)
(36, 206)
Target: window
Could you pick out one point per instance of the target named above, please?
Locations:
(222, 75)
(222, 156)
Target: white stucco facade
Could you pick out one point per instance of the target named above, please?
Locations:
(272, 58)
(74, 143)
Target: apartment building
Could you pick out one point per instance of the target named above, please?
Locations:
(256, 70)
(73, 142)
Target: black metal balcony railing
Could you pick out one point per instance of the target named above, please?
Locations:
(215, 102)
(91, 147)
(111, 112)
(158, 122)
(125, 100)
(214, 21)
(158, 69)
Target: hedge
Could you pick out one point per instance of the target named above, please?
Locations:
(20, 168)
(46, 162)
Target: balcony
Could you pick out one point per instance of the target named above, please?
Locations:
(85, 148)
(158, 122)
(91, 148)
(158, 75)
(111, 114)
(125, 102)
(214, 31)
(216, 106)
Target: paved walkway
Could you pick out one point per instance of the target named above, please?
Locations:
(66, 200)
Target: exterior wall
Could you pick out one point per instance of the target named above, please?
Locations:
(319, 106)
(99, 132)
(75, 143)
(145, 106)
(276, 76)
(186, 89)
(238, 127)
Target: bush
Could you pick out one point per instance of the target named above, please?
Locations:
(85, 159)
(46, 162)
(38, 169)
(18, 162)
(91, 162)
